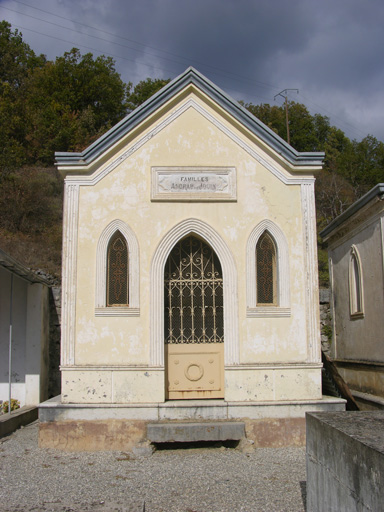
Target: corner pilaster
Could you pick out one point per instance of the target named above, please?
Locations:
(71, 218)
(311, 272)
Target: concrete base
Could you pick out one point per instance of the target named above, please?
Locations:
(90, 427)
(171, 432)
(19, 418)
(345, 461)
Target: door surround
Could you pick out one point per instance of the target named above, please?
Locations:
(194, 322)
(209, 235)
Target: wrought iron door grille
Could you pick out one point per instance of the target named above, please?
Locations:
(193, 294)
(117, 274)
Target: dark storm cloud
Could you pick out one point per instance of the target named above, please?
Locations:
(332, 50)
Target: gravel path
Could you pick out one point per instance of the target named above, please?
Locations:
(189, 480)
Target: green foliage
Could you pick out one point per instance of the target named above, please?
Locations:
(17, 61)
(326, 330)
(15, 404)
(362, 163)
(30, 200)
(84, 97)
(272, 116)
(142, 91)
(16, 57)
(322, 255)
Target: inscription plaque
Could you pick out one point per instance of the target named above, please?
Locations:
(193, 183)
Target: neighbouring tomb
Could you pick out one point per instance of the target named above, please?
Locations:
(355, 247)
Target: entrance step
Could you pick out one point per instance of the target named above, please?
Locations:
(177, 432)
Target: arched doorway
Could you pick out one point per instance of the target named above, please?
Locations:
(194, 321)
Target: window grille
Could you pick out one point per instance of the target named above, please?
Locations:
(266, 270)
(117, 271)
(193, 294)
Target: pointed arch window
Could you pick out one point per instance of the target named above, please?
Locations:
(355, 284)
(268, 290)
(266, 270)
(117, 271)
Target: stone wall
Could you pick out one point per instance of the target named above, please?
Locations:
(54, 377)
(54, 384)
(325, 320)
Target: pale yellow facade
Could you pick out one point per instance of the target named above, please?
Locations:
(117, 356)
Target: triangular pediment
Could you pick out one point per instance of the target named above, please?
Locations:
(191, 78)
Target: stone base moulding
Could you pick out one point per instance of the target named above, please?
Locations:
(243, 383)
(96, 427)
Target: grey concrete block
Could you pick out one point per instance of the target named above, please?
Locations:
(143, 449)
(345, 461)
(192, 432)
(324, 295)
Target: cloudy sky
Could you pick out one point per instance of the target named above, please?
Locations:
(331, 50)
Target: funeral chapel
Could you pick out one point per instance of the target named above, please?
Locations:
(190, 286)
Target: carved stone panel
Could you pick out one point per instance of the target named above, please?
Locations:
(193, 184)
(195, 371)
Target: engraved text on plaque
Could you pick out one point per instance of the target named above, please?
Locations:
(193, 183)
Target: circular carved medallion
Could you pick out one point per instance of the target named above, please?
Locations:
(194, 372)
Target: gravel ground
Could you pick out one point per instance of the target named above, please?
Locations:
(209, 479)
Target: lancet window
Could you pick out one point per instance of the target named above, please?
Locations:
(117, 271)
(355, 284)
(266, 270)
(268, 290)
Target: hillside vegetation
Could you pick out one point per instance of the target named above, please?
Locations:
(66, 104)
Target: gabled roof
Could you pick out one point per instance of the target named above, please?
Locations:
(376, 191)
(190, 76)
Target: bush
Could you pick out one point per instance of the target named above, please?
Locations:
(15, 404)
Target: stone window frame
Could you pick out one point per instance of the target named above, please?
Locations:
(101, 308)
(356, 289)
(281, 307)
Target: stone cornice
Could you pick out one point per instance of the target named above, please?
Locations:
(357, 211)
(190, 77)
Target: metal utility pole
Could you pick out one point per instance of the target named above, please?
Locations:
(285, 91)
(10, 348)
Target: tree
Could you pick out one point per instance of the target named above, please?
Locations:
(142, 91)
(84, 97)
(302, 128)
(271, 116)
(362, 164)
(16, 57)
(17, 61)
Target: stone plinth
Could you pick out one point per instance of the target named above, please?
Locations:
(78, 427)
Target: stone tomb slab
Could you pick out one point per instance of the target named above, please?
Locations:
(177, 432)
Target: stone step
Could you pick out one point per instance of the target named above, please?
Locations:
(188, 432)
